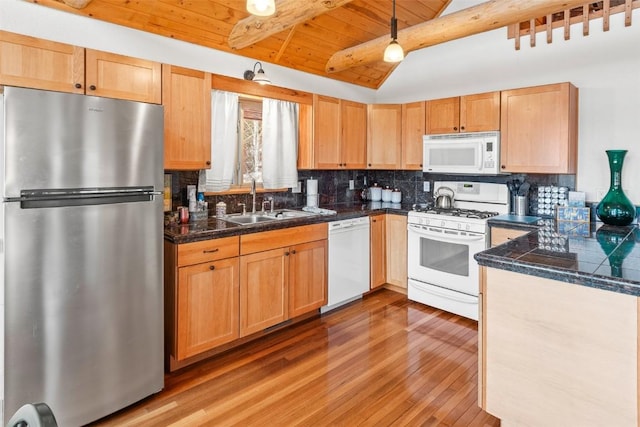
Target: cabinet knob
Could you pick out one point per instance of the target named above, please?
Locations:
(208, 163)
(212, 267)
(420, 164)
(78, 85)
(461, 127)
(503, 167)
(92, 87)
(286, 254)
(455, 128)
(293, 252)
(369, 164)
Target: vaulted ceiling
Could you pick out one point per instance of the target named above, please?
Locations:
(339, 39)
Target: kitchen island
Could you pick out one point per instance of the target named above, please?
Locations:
(559, 326)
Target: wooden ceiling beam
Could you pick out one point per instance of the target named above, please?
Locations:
(253, 29)
(76, 4)
(473, 20)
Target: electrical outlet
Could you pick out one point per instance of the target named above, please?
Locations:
(426, 186)
(298, 188)
(352, 185)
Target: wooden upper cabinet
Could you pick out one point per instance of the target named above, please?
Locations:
(122, 77)
(539, 129)
(187, 118)
(469, 113)
(40, 64)
(384, 136)
(326, 132)
(305, 137)
(339, 133)
(443, 115)
(353, 144)
(413, 129)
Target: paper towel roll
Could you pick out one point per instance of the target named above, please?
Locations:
(312, 187)
(312, 200)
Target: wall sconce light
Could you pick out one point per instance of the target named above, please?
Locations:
(261, 7)
(257, 76)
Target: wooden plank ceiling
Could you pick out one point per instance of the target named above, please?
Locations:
(306, 46)
(339, 39)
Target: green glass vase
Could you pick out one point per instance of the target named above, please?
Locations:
(615, 208)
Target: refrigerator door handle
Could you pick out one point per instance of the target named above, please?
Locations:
(34, 199)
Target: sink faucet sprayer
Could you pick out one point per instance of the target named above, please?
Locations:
(253, 194)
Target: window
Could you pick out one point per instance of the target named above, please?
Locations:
(250, 142)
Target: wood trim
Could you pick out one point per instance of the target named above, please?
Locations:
(170, 298)
(247, 87)
(482, 339)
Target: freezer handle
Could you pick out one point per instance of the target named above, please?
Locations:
(35, 199)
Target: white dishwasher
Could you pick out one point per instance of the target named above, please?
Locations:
(348, 261)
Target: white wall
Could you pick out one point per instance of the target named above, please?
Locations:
(604, 66)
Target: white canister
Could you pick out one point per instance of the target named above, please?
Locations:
(376, 192)
(386, 194)
(396, 196)
(221, 209)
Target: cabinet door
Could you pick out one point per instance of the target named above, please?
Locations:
(207, 306)
(307, 277)
(263, 290)
(305, 137)
(378, 251)
(413, 129)
(396, 244)
(187, 118)
(539, 129)
(480, 113)
(443, 115)
(353, 146)
(500, 235)
(123, 77)
(326, 132)
(384, 136)
(40, 64)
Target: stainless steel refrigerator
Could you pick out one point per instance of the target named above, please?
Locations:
(80, 253)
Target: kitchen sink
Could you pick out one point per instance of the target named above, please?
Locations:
(249, 219)
(289, 214)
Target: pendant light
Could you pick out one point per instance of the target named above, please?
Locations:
(394, 52)
(261, 7)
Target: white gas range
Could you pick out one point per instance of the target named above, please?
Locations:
(442, 242)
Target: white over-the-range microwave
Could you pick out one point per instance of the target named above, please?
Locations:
(472, 153)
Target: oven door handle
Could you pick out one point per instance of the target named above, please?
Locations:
(447, 237)
(454, 296)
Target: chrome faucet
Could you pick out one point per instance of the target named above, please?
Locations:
(270, 201)
(253, 194)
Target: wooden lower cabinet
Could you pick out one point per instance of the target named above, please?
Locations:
(263, 290)
(396, 252)
(208, 298)
(378, 248)
(307, 277)
(500, 235)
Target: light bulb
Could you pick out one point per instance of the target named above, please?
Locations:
(261, 7)
(393, 52)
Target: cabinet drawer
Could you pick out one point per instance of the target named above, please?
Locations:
(266, 240)
(208, 250)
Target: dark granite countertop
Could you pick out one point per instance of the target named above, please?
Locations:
(588, 254)
(213, 227)
(528, 223)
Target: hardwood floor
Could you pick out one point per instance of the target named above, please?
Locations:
(382, 361)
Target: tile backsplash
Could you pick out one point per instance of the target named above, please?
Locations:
(333, 187)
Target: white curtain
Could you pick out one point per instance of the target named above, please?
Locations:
(279, 143)
(224, 140)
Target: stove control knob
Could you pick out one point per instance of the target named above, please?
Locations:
(459, 226)
(442, 223)
(425, 221)
(468, 226)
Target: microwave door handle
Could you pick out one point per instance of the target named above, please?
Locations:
(448, 237)
(483, 148)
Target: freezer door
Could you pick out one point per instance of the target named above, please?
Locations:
(62, 140)
(83, 313)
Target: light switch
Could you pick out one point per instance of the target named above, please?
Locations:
(426, 186)
(351, 185)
